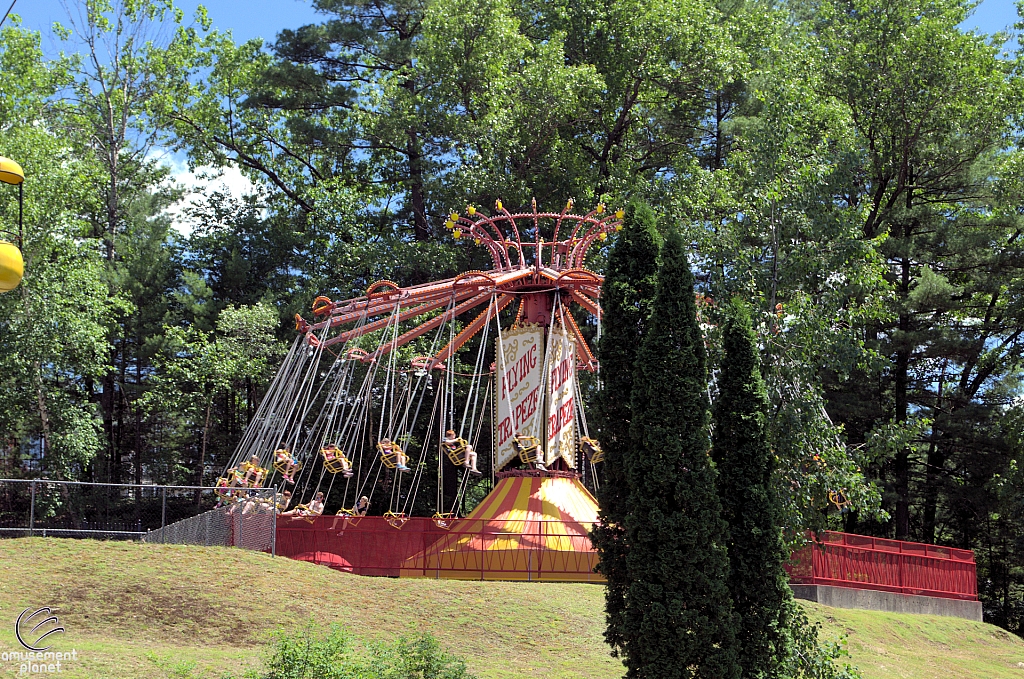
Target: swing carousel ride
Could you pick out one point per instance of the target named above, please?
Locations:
(388, 393)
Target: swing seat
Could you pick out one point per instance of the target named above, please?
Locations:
(336, 462)
(456, 451)
(839, 500)
(349, 516)
(396, 519)
(257, 475)
(425, 363)
(305, 514)
(528, 448)
(444, 520)
(592, 449)
(389, 456)
(283, 465)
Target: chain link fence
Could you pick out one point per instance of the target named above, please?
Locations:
(192, 515)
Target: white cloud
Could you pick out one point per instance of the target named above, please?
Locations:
(203, 181)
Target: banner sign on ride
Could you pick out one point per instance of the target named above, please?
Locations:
(561, 392)
(520, 366)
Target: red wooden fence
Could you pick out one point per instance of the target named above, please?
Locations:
(861, 562)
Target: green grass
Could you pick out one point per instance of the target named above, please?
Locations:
(134, 610)
(922, 646)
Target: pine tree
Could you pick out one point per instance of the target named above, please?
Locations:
(626, 298)
(750, 505)
(678, 614)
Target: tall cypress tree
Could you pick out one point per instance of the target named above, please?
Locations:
(626, 297)
(678, 614)
(750, 505)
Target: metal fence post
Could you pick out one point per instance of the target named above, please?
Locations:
(273, 518)
(163, 513)
(32, 512)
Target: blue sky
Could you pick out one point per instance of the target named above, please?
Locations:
(246, 18)
(264, 18)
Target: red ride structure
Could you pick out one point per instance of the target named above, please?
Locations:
(341, 421)
(862, 562)
(345, 414)
(536, 272)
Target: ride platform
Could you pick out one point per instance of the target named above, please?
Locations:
(534, 526)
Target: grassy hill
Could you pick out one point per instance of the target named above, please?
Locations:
(134, 610)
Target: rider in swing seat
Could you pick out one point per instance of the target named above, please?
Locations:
(452, 442)
(313, 509)
(253, 476)
(530, 447)
(331, 453)
(287, 464)
(387, 447)
(362, 506)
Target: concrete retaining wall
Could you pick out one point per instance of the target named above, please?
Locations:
(844, 597)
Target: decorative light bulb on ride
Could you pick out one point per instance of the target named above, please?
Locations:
(457, 233)
(454, 217)
(568, 205)
(600, 208)
(498, 205)
(470, 210)
(619, 214)
(12, 266)
(602, 236)
(449, 225)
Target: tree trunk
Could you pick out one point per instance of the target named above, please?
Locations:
(416, 193)
(901, 465)
(935, 461)
(719, 137)
(902, 378)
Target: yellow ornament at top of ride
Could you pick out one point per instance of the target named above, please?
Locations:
(12, 266)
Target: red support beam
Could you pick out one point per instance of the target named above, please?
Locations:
(403, 316)
(471, 329)
(587, 303)
(583, 355)
(427, 327)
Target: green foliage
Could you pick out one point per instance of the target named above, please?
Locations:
(678, 617)
(415, 658)
(315, 653)
(848, 168)
(809, 657)
(52, 327)
(308, 654)
(750, 504)
(197, 368)
(628, 292)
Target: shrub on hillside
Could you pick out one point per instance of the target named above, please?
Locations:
(312, 653)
